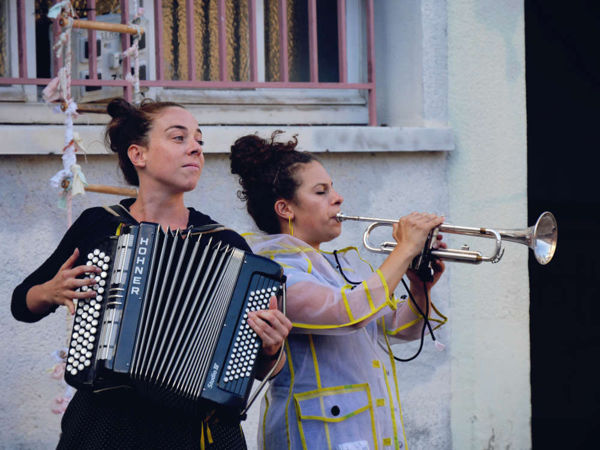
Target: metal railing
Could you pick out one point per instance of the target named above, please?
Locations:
(158, 78)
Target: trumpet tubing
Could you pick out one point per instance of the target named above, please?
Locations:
(541, 238)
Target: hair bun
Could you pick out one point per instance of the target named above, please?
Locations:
(120, 107)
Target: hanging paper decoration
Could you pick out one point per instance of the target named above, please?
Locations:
(59, 90)
(60, 402)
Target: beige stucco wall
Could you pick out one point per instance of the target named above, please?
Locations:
(487, 180)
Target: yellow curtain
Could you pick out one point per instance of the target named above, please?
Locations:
(3, 41)
(297, 35)
(206, 35)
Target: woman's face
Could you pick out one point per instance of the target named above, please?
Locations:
(173, 158)
(315, 205)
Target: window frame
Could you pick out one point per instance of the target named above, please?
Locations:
(287, 102)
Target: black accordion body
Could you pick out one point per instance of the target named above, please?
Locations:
(170, 318)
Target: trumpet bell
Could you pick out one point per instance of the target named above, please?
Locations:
(545, 237)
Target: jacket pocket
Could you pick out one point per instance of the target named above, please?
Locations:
(331, 416)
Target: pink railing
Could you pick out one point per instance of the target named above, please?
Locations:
(159, 76)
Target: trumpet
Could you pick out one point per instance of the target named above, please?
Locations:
(541, 238)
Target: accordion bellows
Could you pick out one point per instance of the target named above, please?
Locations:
(170, 318)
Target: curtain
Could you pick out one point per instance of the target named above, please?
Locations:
(206, 34)
(4, 40)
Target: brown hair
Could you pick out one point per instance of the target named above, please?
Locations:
(266, 170)
(129, 125)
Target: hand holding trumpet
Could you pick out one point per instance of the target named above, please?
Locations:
(413, 230)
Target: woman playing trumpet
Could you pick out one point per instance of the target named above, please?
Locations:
(339, 388)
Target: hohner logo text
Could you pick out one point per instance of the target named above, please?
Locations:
(138, 267)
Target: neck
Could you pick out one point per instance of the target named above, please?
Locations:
(314, 245)
(168, 211)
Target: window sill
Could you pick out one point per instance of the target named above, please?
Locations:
(49, 139)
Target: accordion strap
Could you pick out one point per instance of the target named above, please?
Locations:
(123, 214)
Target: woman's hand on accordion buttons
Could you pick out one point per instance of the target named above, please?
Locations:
(272, 326)
(62, 289)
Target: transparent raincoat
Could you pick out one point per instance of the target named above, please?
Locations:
(339, 387)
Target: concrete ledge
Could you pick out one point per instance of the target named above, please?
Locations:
(49, 139)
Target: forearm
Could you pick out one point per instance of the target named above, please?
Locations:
(395, 266)
(37, 301)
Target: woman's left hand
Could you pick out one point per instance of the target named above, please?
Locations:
(438, 267)
(271, 325)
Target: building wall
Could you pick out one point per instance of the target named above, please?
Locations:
(487, 176)
(473, 395)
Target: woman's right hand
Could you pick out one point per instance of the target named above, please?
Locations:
(412, 230)
(61, 290)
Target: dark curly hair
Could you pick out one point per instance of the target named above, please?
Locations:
(266, 169)
(129, 125)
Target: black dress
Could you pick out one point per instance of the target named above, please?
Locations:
(120, 418)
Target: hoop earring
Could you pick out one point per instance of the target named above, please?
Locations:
(290, 226)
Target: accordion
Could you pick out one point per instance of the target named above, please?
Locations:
(170, 317)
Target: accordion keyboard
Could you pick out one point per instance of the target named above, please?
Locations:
(244, 349)
(87, 316)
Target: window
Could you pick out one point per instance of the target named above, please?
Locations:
(283, 59)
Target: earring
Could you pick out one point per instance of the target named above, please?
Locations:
(290, 226)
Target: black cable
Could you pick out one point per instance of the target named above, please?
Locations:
(339, 267)
(426, 323)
